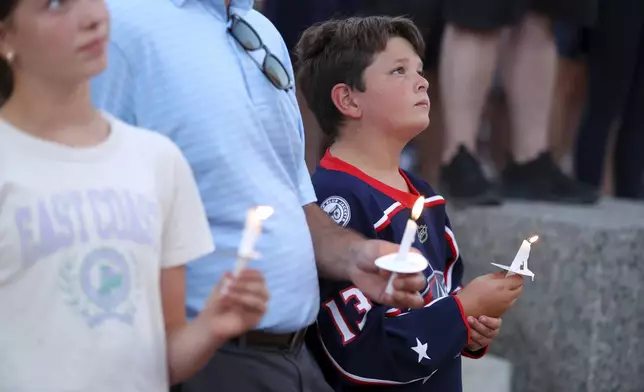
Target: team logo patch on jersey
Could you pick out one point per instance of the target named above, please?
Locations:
(435, 287)
(422, 233)
(338, 209)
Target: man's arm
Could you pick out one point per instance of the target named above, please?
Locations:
(343, 254)
(336, 247)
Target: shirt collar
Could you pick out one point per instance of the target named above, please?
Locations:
(220, 7)
(407, 199)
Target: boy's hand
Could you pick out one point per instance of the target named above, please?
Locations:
(482, 331)
(236, 305)
(491, 294)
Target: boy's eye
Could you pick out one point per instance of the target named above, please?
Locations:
(399, 71)
(421, 72)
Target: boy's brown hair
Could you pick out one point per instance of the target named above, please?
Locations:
(339, 51)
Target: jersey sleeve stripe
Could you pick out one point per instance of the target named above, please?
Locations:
(434, 201)
(397, 207)
(475, 355)
(388, 214)
(463, 316)
(451, 241)
(394, 312)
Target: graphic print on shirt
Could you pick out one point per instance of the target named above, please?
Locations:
(91, 233)
(100, 289)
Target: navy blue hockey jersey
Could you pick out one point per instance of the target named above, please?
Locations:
(363, 345)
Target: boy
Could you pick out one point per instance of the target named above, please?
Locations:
(362, 79)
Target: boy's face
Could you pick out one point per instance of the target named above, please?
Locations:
(395, 99)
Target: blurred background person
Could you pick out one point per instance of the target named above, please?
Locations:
(532, 107)
(292, 17)
(570, 91)
(615, 100)
(470, 49)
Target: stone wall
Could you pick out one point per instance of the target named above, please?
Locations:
(580, 325)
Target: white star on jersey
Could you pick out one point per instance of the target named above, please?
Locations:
(421, 350)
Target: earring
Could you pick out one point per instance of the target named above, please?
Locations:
(9, 56)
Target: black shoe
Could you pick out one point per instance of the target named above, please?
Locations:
(463, 181)
(542, 180)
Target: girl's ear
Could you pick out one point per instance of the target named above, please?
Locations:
(7, 51)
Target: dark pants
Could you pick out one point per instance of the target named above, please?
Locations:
(496, 14)
(235, 369)
(616, 94)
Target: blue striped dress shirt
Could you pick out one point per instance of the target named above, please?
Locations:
(173, 68)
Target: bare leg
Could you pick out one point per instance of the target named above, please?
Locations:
(529, 67)
(467, 64)
(567, 105)
(529, 75)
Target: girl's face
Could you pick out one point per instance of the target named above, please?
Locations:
(61, 41)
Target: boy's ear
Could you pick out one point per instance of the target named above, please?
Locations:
(344, 99)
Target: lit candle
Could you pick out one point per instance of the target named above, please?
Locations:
(252, 231)
(523, 254)
(408, 238)
(410, 230)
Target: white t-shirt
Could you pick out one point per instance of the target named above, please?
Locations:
(84, 234)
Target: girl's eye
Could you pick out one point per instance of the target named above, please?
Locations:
(421, 72)
(399, 71)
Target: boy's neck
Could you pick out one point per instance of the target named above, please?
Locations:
(375, 156)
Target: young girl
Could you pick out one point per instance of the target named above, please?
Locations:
(97, 219)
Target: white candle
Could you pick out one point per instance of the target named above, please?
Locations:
(523, 253)
(252, 228)
(252, 231)
(408, 238)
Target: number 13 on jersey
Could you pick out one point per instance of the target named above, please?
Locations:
(348, 322)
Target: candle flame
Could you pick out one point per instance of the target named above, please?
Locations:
(533, 239)
(418, 208)
(264, 212)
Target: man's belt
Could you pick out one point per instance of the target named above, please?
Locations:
(262, 340)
